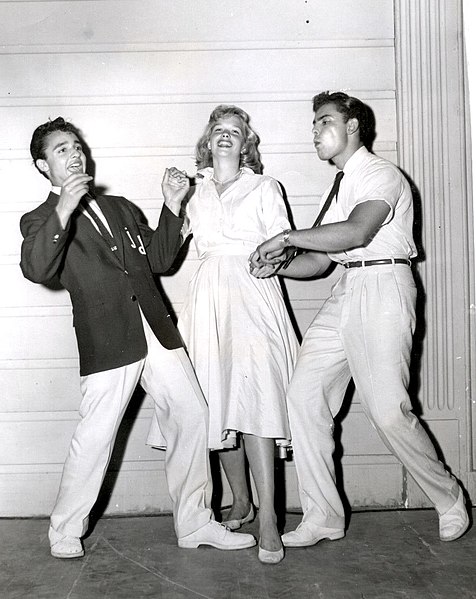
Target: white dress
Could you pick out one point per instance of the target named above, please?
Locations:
(236, 327)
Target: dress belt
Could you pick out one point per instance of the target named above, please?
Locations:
(360, 263)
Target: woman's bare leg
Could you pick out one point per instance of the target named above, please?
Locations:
(233, 462)
(260, 453)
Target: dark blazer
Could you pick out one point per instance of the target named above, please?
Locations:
(106, 287)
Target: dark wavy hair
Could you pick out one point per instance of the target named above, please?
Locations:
(38, 140)
(250, 156)
(351, 108)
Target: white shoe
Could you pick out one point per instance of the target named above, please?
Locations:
(454, 523)
(238, 523)
(270, 557)
(64, 546)
(218, 536)
(307, 534)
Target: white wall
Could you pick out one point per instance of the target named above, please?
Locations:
(140, 77)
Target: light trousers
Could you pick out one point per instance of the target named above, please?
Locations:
(363, 331)
(181, 411)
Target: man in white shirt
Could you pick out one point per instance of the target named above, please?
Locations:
(363, 331)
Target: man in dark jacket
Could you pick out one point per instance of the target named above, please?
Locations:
(104, 253)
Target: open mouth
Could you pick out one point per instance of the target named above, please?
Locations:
(75, 167)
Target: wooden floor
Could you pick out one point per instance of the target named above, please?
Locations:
(385, 555)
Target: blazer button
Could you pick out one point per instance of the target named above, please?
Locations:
(133, 298)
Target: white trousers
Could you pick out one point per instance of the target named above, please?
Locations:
(364, 331)
(168, 377)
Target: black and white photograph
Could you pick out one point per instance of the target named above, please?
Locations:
(238, 308)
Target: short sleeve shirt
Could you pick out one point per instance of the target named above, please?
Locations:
(367, 178)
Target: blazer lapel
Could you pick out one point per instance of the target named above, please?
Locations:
(115, 227)
(87, 227)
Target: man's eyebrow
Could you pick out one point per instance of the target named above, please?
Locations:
(65, 143)
(324, 116)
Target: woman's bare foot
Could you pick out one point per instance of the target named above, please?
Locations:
(238, 511)
(270, 539)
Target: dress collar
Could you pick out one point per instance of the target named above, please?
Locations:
(207, 172)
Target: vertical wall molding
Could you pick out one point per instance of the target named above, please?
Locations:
(432, 150)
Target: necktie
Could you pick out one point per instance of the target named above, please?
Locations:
(332, 194)
(101, 226)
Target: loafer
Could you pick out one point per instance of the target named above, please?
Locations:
(64, 546)
(236, 524)
(307, 534)
(455, 522)
(218, 536)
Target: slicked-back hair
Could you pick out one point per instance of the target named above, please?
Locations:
(350, 108)
(250, 156)
(38, 140)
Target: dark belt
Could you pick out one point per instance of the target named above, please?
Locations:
(377, 262)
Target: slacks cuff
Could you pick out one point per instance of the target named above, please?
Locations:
(191, 526)
(324, 521)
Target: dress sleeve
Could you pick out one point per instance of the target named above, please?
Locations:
(274, 211)
(187, 221)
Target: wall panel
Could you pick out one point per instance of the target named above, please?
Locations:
(140, 77)
(182, 73)
(125, 22)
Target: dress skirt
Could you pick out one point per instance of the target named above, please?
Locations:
(242, 344)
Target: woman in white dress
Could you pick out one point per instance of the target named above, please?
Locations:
(236, 327)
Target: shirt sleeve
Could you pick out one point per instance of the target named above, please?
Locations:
(381, 183)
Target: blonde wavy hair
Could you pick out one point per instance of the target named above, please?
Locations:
(250, 155)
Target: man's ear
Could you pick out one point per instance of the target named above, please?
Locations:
(352, 126)
(42, 165)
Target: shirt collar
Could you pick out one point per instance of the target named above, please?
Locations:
(357, 158)
(57, 190)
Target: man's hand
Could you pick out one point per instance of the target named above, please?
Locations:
(271, 252)
(175, 186)
(73, 189)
